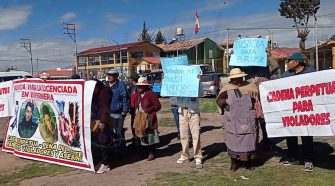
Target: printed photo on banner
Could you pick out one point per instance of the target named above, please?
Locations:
(68, 122)
(29, 119)
(249, 52)
(303, 107)
(49, 122)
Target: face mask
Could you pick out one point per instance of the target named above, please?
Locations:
(106, 78)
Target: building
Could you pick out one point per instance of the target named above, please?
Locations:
(56, 74)
(281, 54)
(326, 53)
(198, 51)
(95, 62)
(148, 64)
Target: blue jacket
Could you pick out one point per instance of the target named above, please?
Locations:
(306, 70)
(120, 98)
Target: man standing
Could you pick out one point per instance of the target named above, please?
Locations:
(189, 119)
(296, 65)
(119, 104)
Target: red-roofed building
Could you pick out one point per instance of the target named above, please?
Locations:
(280, 54)
(95, 62)
(148, 63)
(56, 74)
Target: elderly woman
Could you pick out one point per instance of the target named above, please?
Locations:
(146, 104)
(237, 103)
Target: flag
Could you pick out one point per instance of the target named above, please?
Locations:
(197, 25)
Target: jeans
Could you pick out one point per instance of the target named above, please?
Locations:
(120, 134)
(176, 118)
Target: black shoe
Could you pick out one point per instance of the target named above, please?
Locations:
(233, 164)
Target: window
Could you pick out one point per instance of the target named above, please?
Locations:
(210, 54)
(137, 54)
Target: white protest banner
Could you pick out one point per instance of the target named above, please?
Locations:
(52, 122)
(302, 105)
(6, 98)
(249, 52)
(181, 81)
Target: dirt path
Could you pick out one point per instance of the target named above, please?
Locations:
(133, 169)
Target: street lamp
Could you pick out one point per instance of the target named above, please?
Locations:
(120, 57)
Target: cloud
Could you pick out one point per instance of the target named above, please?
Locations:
(269, 22)
(116, 19)
(68, 16)
(13, 17)
(52, 54)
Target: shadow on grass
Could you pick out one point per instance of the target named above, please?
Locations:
(135, 153)
(213, 150)
(323, 155)
(209, 128)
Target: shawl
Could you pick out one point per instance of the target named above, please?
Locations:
(246, 88)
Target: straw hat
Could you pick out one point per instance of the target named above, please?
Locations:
(236, 73)
(142, 81)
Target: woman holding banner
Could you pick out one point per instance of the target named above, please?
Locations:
(240, 131)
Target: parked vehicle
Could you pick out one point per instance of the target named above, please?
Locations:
(210, 83)
(13, 74)
(155, 79)
(206, 68)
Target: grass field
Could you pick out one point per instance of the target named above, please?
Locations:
(35, 169)
(268, 171)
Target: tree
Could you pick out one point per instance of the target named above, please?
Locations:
(300, 11)
(159, 38)
(11, 68)
(144, 35)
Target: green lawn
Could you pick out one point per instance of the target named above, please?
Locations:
(35, 169)
(207, 105)
(268, 172)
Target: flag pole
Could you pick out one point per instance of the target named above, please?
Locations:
(196, 30)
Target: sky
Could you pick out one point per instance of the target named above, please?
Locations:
(100, 22)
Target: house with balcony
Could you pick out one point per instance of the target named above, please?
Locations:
(198, 51)
(95, 62)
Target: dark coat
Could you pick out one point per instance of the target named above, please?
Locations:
(150, 105)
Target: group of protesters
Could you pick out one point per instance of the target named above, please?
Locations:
(238, 102)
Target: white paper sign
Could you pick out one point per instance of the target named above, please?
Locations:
(302, 105)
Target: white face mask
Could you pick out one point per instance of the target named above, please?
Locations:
(106, 78)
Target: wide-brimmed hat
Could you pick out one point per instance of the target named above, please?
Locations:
(236, 73)
(142, 81)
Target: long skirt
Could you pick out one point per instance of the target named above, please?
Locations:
(151, 137)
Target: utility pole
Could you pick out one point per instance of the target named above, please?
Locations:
(227, 50)
(38, 70)
(70, 30)
(120, 53)
(316, 45)
(26, 43)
